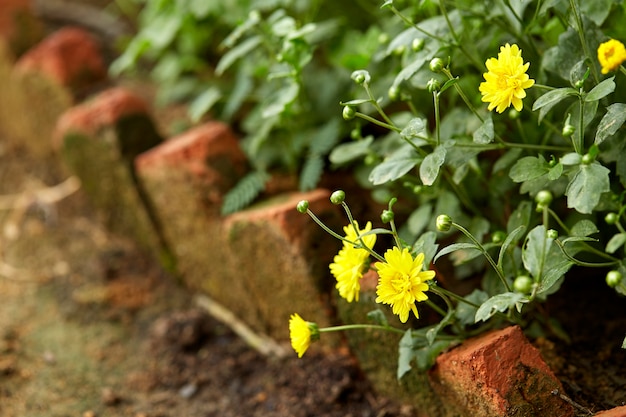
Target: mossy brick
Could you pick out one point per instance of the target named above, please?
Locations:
(281, 260)
(70, 57)
(498, 374)
(377, 353)
(99, 140)
(185, 179)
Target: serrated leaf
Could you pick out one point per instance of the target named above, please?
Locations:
(601, 90)
(429, 169)
(378, 316)
(528, 168)
(499, 303)
(244, 192)
(203, 103)
(485, 133)
(616, 242)
(311, 172)
(394, 166)
(611, 122)
(586, 186)
(281, 98)
(350, 151)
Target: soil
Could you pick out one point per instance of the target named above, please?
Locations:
(91, 326)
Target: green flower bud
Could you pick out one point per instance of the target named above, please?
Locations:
(514, 114)
(355, 133)
(498, 237)
(613, 278)
(568, 130)
(437, 64)
(418, 189)
(443, 222)
(387, 216)
(302, 206)
(587, 159)
(418, 44)
(433, 85)
(552, 162)
(337, 197)
(523, 284)
(360, 77)
(394, 93)
(348, 113)
(552, 234)
(543, 198)
(611, 218)
(383, 38)
(579, 83)
(370, 159)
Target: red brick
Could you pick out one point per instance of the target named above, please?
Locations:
(613, 412)
(100, 111)
(70, 56)
(498, 374)
(209, 153)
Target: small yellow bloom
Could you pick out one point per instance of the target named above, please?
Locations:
(611, 54)
(301, 333)
(348, 264)
(506, 80)
(402, 282)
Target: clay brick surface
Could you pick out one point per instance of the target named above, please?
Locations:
(614, 412)
(498, 374)
(70, 57)
(99, 140)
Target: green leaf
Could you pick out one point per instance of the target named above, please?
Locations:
(347, 152)
(427, 245)
(416, 128)
(520, 217)
(454, 247)
(507, 160)
(448, 84)
(395, 166)
(311, 172)
(500, 303)
(418, 220)
(405, 354)
(624, 343)
(596, 10)
(535, 250)
(281, 98)
(203, 103)
(246, 190)
(512, 237)
(429, 169)
(485, 133)
(378, 316)
(431, 333)
(413, 347)
(551, 99)
(529, 168)
(616, 242)
(583, 228)
(611, 122)
(601, 90)
(586, 186)
(241, 50)
(466, 313)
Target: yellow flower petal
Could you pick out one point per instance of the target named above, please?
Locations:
(505, 80)
(611, 54)
(300, 334)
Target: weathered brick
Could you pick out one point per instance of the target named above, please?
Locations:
(185, 179)
(613, 412)
(99, 140)
(281, 259)
(498, 374)
(71, 57)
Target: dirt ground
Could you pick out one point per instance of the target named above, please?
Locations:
(90, 326)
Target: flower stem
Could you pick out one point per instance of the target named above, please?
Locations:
(377, 122)
(485, 254)
(360, 326)
(360, 239)
(583, 42)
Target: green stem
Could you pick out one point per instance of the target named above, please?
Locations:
(583, 263)
(360, 326)
(578, 137)
(360, 239)
(410, 23)
(378, 122)
(437, 118)
(435, 307)
(480, 247)
(581, 35)
(457, 41)
(376, 105)
(461, 93)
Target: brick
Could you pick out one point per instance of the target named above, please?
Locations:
(99, 140)
(281, 258)
(613, 412)
(498, 374)
(185, 179)
(70, 57)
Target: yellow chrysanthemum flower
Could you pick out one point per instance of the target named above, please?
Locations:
(348, 264)
(402, 282)
(506, 79)
(611, 54)
(301, 333)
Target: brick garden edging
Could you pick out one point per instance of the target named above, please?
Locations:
(265, 262)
